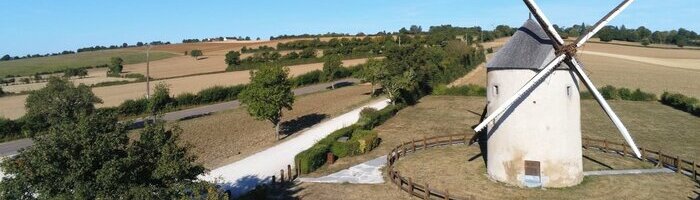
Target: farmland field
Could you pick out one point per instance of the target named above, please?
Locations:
(13, 106)
(650, 69)
(95, 76)
(651, 124)
(232, 135)
(30, 66)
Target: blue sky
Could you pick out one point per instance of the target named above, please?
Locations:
(45, 26)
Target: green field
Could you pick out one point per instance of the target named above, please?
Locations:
(56, 63)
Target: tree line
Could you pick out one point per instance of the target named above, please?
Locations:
(681, 37)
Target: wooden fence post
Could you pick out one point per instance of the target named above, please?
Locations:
(410, 185)
(695, 171)
(447, 195)
(398, 176)
(330, 159)
(679, 168)
(644, 154)
(281, 175)
(289, 172)
(605, 145)
(425, 143)
(413, 143)
(427, 191)
(274, 179)
(660, 159)
(450, 142)
(624, 150)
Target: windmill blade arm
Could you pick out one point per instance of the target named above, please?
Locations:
(604, 104)
(544, 21)
(603, 22)
(520, 92)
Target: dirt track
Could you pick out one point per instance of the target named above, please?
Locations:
(13, 107)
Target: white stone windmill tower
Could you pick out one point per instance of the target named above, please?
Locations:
(534, 127)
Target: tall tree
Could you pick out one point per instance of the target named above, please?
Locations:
(116, 66)
(373, 71)
(58, 102)
(268, 92)
(5, 57)
(331, 68)
(160, 99)
(92, 158)
(233, 58)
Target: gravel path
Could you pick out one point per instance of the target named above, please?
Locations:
(242, 176)
(365, 173)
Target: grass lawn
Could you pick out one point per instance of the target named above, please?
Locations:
(231, 135)
(652, 125)
(54, 63)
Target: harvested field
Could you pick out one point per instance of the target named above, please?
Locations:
(229, 136)
(639, 44)
(642, 51)
(184, 65)
(13, 107)
(94, 76)
(53, 63)
(692, 64)
(443, 115)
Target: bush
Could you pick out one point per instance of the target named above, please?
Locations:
(186, 99)
(366, 140)
(463, 90)
(311, 159)
(373, 120)
(609, 92)
(219, 93)
(133, 107)
(681, 102)
(344, 149)
(638, 95)
(9, 128)
(309, 78)
(489, 50)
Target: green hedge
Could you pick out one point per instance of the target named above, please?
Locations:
(219, 93)
(681, 102)
(309, 78)
(362, 139)
(463, 90)
(311, 159)
(9, 129)
(132, 107)
(611, 93)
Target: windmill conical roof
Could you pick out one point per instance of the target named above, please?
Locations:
(528, 48)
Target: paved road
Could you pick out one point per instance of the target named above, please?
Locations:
(11, 147)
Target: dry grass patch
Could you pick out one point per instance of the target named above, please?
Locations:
(229, 136)
(448, 168)
(651, 124)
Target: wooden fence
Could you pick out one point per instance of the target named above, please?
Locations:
(685, 167)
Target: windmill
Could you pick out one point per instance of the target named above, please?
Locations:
(534, 127)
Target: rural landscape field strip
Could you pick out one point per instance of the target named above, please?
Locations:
(13, 106)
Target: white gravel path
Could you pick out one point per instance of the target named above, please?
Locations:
(243, 175)
(364, 173)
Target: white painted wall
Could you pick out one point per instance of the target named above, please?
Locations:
(544, 127)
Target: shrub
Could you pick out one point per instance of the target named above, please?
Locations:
(311, 159)
(219, 93)
(344, 149)
(366, 140)
(380, 117)
(681, 102)
(133, 107)
(309, 78)
(489, 50)
(2, 93)
(463, 90)
(9, 128)
(638, 95)
(186, 99)
(160, 100)
(609, 92)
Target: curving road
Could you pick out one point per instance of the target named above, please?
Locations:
(10, 148)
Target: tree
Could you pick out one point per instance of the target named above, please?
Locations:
(372, 72)
(5, 57)
(138, 44)
(308, 53)
(196, 53)
(331, 68)
(92, 158)
(56, 103)
(2, 93)
(125, 45)
(646, 42)
(37, 77)
(233, 58)
(116, 66)
(268, 92)
(160, 99)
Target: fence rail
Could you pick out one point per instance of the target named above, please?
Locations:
(681, 166)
